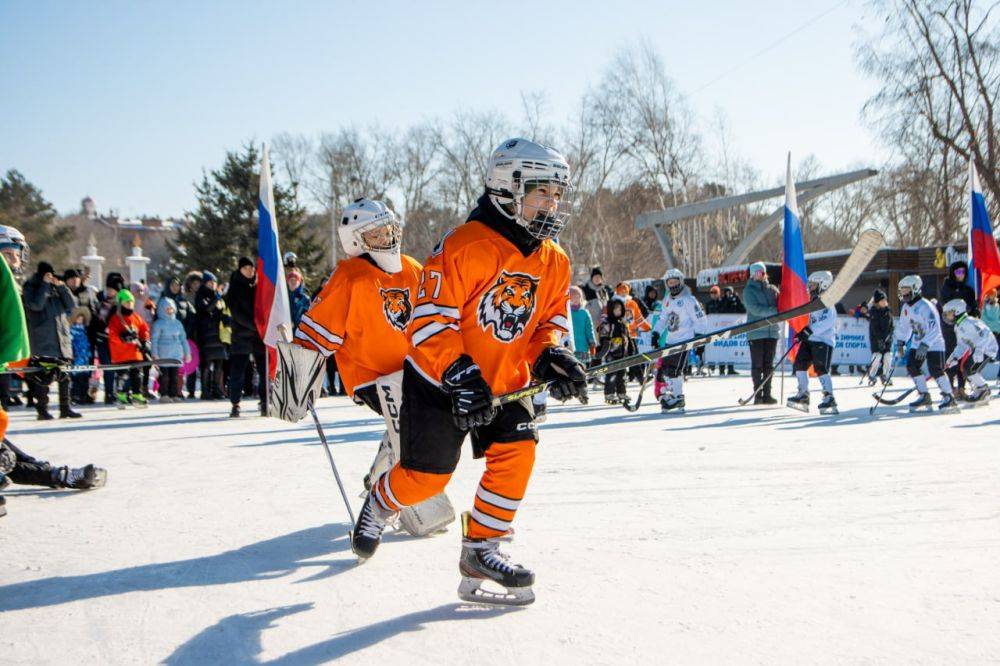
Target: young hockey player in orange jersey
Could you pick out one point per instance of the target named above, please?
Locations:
(491, 306)
(361, 315)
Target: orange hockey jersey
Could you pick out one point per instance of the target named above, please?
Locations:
(481, 295)
(633, 317)
(361, 315)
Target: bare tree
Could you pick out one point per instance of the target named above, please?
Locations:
(939, 64)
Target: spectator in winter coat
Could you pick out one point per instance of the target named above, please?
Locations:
(128, 338)
(83, 354)
(212, 352)
(298, 297)
(636, 323)
(730, 303)
(169, 341)
(714, 303)
(760, 298)
(48, 302)
(650, 301)
(192, 282)
(596, 293)
(107, 306)
(991, 313)
(880, 336)
(615, 343)
(584, 341)
(954, 286)
(246, 340)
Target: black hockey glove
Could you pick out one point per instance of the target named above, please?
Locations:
(803, 335)
(655, 340)
(920, 353)
(567, 374)
(129, 335)
(471, 397)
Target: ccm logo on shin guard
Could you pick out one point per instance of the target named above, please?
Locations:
(390, 405)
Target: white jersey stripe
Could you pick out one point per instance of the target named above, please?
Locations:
(490, 521)
(497, 500)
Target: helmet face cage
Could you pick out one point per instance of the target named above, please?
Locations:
(391, 239)
(544, 221)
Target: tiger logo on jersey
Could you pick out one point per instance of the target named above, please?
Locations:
(507, 306)
(396, 307)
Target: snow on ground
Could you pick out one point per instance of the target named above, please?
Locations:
(728, 535)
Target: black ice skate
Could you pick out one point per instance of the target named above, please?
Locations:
(672, 403)
(367, 532)
(611, 399)
(923, 402)
(828, 405)
(979, 397)
(948, 404)
(482, 562)
(80, 478)
(799, 402)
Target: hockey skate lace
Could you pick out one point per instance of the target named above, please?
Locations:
(495, 558)
(371, 525)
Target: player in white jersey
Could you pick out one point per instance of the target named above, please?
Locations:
(976, 346)
(920, 323)
(681, 318)
(816, 343)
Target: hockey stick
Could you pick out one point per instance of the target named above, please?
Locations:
(878, 396)
(627, 404)
(763, 382)
(868, 244)
(113, 367)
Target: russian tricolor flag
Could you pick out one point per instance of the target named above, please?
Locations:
(794, 291)
(271, 311)
(984, 259)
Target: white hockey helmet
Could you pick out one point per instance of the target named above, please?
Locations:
(516, 168)
(14, 247)
(369, 226)
(912, 284)
(678, 286)
(822, 280)
(955, 307)
(289, 259)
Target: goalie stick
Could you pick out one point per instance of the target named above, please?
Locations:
(868, 244)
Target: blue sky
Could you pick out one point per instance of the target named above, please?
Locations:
(129, 101)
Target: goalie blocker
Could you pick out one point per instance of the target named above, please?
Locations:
(296, 388)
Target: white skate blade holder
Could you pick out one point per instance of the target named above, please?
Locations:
(798, 406)
(483, 591)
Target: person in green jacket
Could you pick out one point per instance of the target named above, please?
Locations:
(584, 340)
(760, 298)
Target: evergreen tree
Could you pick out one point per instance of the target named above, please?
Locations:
(23, 206)
(224, 226)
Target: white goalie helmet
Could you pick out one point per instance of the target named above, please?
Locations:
(674, 274)
(913, 285)
(369, 226)
(516, 168)
(14, 247)
(822, 280)
(955, 307)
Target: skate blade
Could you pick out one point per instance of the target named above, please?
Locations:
(471, 590)
(100, 479)
(800, 408)
(829, 412)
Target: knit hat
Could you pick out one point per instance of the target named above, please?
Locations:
(114, 281)
(70, 274)
(208, 276)
(244, 261)
(623, 289)
(878, 295)
(45, 267)
(715, 291)
(757, 266)
(596, 270)
(124, 296)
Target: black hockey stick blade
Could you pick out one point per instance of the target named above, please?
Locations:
(893, 401)
(868, 244)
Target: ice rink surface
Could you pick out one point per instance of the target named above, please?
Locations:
(727, 535)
